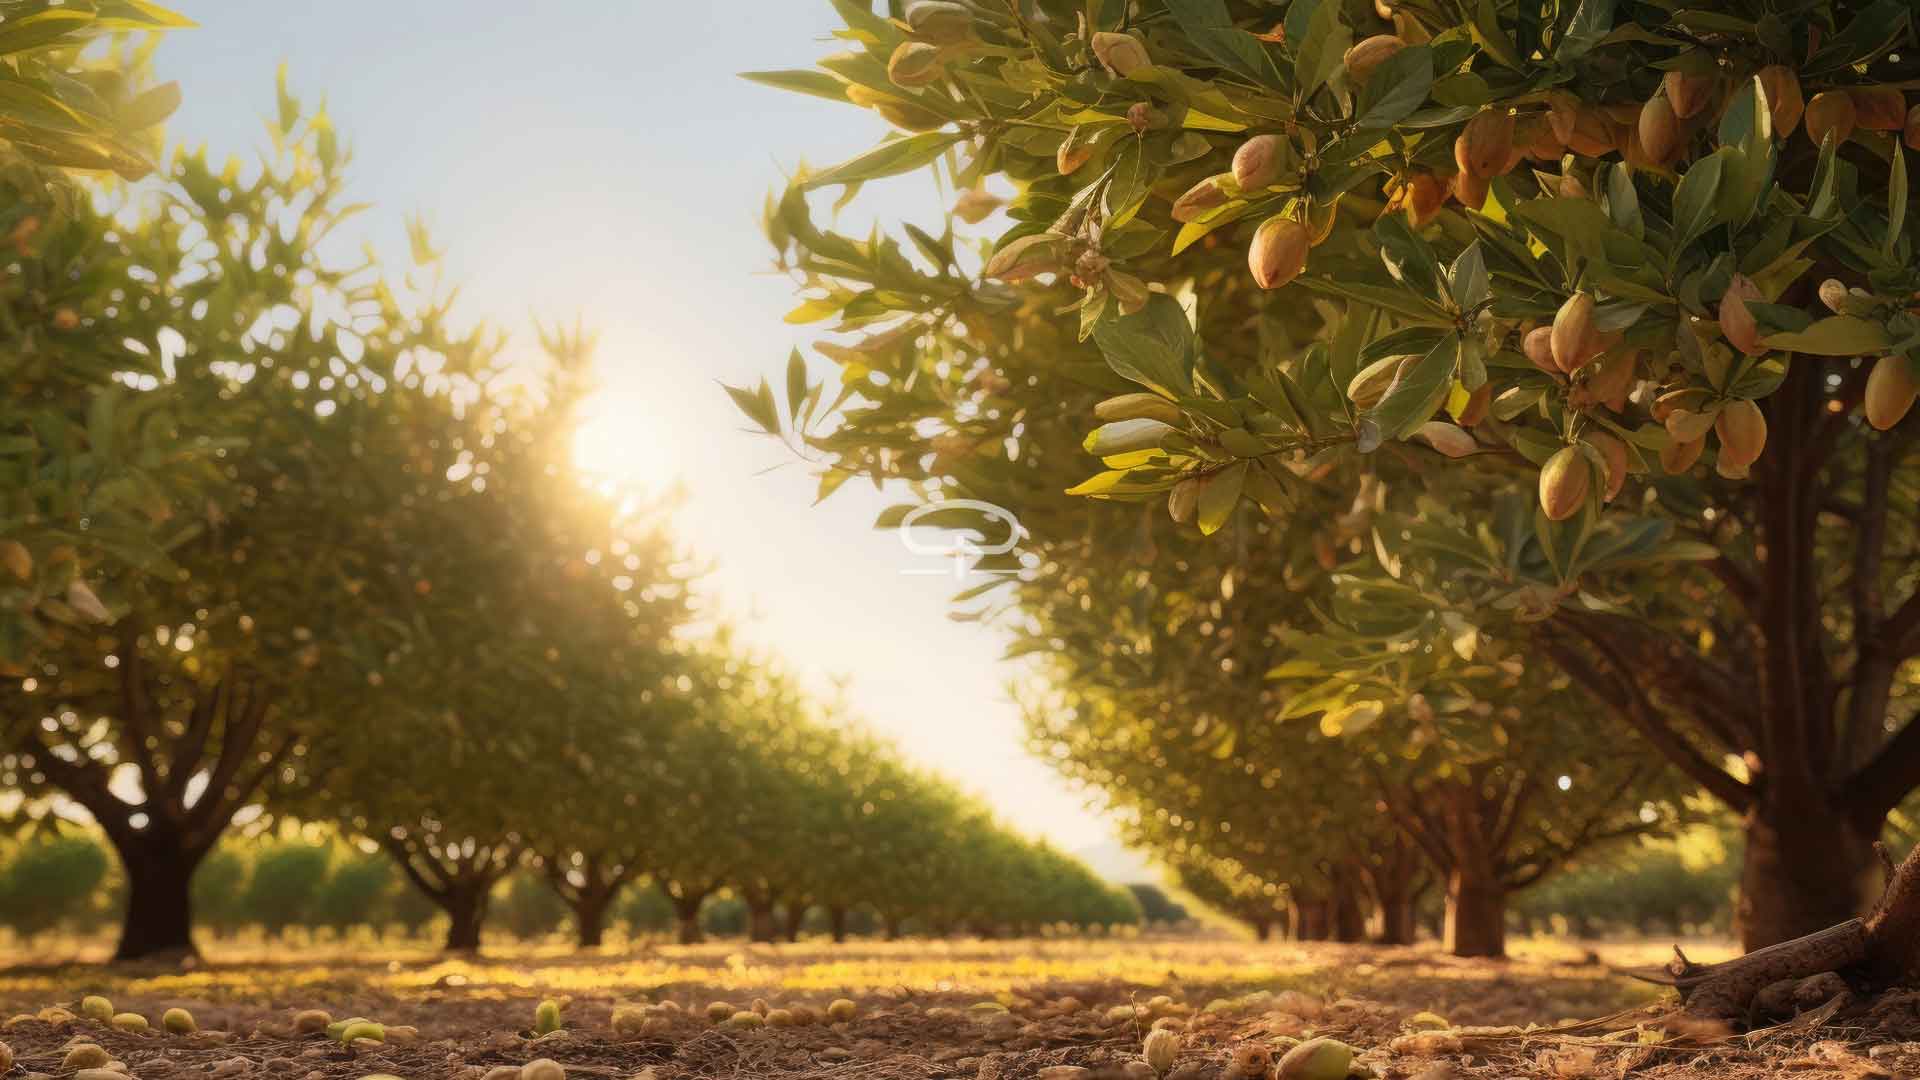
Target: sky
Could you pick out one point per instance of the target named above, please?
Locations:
(603, 160)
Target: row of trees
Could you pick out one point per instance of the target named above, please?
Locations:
(313, 881)
(287, 542)
(1444, 441)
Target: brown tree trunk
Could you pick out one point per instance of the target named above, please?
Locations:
(1393, 873)
(159, 917)
(590, 917)
(792, 918)
(1313, 920)
(837, 922)
(1349, 908)
(1807, 868)
(686, 910)
(760, 927)
(465, 903)
(1397, 919)
(1476, 922)
(1262, 929)
(890, 927)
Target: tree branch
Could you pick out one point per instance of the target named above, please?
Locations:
(1626, 697)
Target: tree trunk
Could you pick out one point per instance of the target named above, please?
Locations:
(590, 918)
(1262, 929)
(1312, 920)
(1476, 912)
(1806, 869)
(1349, 912)
(465, 903)
(1397, 919)
(1393, 876)
(760, 921)
(790, 925)
(159, 919)
(686, 910)
(890, 925)
(837, 922)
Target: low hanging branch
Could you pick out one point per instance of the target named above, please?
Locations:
(1878, 951)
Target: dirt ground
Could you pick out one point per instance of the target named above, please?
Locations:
(931, 1011)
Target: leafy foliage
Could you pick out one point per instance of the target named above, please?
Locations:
(1598, 318)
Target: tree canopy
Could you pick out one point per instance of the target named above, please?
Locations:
(1604, 309)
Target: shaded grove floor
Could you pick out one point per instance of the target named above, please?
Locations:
(927, 1010)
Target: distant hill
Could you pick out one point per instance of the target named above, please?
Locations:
(1117, 863)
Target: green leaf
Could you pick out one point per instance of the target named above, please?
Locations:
(1318, 52)
(1419, 387)
(1591, 23)
(1835, 335)
(1154, 346)
(1396, 88)
(890, 158)
(1467, 278)
(1484, 25)
(1219, 494)
(1896, 199)
(758, 405)
(1695, 206)
(1207, 24)
(796, 384)
(817, 83)
(1408, 256)
(151, 108)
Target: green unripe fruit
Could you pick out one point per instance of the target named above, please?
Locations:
(1141, 406)
(542, 1069)
(178, 1021)
(85, 1056)
(841, 1010)
(546, 1017)
(779, 1018)
(1161, 1047)
(1316, 1059)
(941, 22)
(746, 1018)
(365, 1029)
(336, 1028)
(720, 1010)
(128, 1021)
(95, 1007)
(1127, 436)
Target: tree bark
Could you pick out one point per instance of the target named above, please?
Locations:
(890, 927)
(590, 919)
(159, 917)
(760, 926)
(1262, 929)
(686, 910)
(1313, 920)
(1476, 922)
(837, 922)
(465, 903)
(1804, 871)
(794, 916)
(1349, 908)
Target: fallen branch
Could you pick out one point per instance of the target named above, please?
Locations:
(1878, 951)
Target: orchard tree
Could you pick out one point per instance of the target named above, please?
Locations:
(259, 400)
(1651, 269)
(1225, 886)
(77, 479)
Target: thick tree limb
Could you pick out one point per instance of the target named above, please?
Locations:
(1626, 698)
